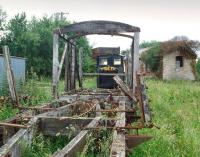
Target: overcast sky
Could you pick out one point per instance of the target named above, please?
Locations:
(158, 19)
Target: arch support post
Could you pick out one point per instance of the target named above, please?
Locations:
(80, 67)
(67, 68)
(55, 66)
(73, 66)
(135, 59)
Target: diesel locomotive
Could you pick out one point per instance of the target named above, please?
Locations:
(110, 62)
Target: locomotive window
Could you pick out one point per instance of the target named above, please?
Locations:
(117, 61)
(103, 61)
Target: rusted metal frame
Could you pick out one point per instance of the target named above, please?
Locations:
(89, 97)
(53, 126)
(13, 125)
(112, 34)
(112, 128)
(8, 132)
(77, 143)
(118, 146)
(36, 108)
(62, 118)
(113, 110)
(134, 140)
(10, 76)
(145, 103)
(139, 98)
(12, 145)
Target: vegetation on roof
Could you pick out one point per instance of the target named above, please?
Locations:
(152, 57)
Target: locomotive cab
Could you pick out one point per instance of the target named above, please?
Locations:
(109, 62)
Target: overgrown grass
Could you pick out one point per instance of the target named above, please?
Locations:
(176, 109)
(43, 146)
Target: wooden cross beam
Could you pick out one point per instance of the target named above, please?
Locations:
(118, 146)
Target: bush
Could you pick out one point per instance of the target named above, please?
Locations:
(198, 69)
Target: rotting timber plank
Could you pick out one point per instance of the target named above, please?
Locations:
(124, 88)
(77, 143)
(12, 147)
(118, 147)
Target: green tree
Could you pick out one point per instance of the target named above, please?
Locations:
(34, 39)
(147, 44)
(3, 17)
(151, 57)
(198, 68)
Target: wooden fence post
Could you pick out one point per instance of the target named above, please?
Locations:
(10, 75)
(135, 58)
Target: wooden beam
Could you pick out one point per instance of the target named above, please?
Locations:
(126, 68)
(130, 68)
(53, 126)
(62, 61)
(76, 144)
(55, 66)
(12, 146)
(73, 64)
(97, 27)
(10, 76)
(135, 58)
(80, 66)
(118, 146)
(67, 68)
(124, 88)
(13, 125)
(112, 34)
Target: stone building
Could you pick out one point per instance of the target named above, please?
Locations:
(178, 61)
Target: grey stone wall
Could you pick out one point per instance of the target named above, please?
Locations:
(171, 72)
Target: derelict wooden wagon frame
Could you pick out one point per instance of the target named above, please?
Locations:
(70, 53)
(68, 109)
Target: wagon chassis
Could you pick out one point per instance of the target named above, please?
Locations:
(129, 102)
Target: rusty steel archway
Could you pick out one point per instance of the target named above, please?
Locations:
(72, 31)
